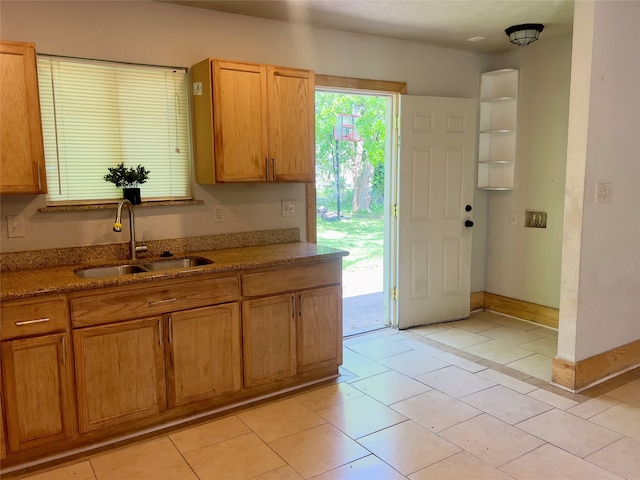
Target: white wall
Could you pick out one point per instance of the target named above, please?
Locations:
(163, 34)
(600, 307)
(524, 263)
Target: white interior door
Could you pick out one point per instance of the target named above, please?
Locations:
(437, 157)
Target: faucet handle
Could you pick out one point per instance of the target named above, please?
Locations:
(142, 247)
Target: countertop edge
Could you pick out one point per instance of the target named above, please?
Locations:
(38, 282)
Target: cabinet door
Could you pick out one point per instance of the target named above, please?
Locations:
(204, 354)
(319, 328)
(291, 124)
(268, 339)
(240, 122)
(38, 388)
(3, 448)
(119, 372)
(22, 153)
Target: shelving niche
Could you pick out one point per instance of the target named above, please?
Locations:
(498, 128)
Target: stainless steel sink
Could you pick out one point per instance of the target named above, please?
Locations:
(176, 263)
(111, 271)
(157, 265)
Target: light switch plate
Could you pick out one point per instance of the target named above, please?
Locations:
(288, 208)
(218, 213)
(604, 192)
(15, 226)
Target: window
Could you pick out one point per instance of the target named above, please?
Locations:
(98, 114)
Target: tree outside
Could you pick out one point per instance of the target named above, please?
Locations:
(350, 154)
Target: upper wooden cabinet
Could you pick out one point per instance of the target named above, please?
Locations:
(253, 123)
(22, 168)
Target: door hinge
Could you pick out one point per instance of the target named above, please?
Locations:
(394, 210)
(394, 293)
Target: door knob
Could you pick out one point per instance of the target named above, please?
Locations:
(468, 223)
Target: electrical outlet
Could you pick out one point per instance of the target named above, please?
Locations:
(218, 213)
(288, 208)
(604, 192)
(535, 219)
(15, 226)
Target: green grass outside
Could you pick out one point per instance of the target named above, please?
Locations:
(361, 235)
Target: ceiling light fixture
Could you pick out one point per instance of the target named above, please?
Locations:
(524, 34)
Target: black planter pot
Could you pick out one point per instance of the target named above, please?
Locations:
(133, 195)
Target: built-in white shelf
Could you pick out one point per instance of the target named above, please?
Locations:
(498, 128)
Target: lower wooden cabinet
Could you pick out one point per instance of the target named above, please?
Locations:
(119, 372)
(268, 339)
(319, 328)
(135, 369)
(203, 354)
(38, 389)
(288, 334)
(3, 447)
(95, 364)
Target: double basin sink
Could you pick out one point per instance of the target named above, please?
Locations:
(155, 266)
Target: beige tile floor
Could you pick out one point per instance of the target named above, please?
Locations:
(519, 345)
(427, 403)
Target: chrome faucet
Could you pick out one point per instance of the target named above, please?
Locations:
(117, 227)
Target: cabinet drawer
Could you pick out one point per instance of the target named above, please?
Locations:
(33, 317)
(128, 303)
(291, 279)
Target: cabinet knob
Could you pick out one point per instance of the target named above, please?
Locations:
(468, 223)
(468, 208)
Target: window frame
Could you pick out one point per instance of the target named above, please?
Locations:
(180, 117)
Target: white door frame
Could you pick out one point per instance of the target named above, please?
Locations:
(382, 88)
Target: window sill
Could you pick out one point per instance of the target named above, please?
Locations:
(109, 206)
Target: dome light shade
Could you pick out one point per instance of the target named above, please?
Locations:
(524, 34)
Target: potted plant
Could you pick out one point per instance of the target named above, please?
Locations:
(129, 180)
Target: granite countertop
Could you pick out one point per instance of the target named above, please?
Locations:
(32, 282)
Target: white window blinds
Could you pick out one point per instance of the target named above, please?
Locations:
(96, 115)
